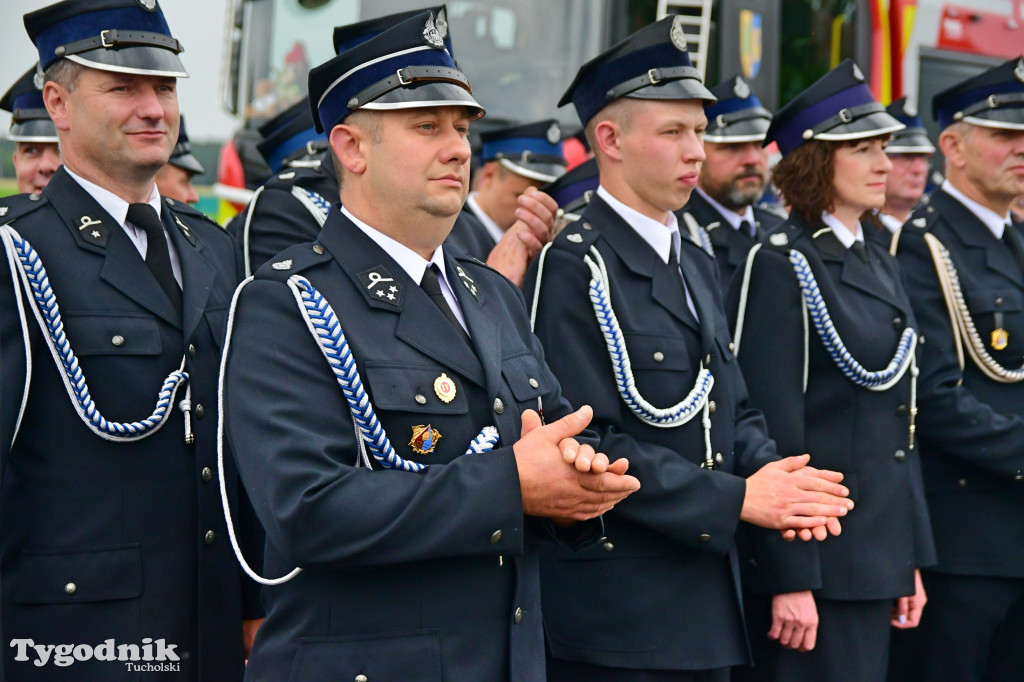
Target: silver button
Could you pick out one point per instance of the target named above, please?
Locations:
(704, 537)
(586, 226)
(499, 406)
(34, 196)
(707, 360)
(170, 202)
(118, 340)
(200, 411)
(658, 356)
(495, 537)
(421, 399)
(518, 618)
(319, 250)
(207, 474)
(191, 350)
(608, 546)
(70, 588)
(712, 406)
(1019, 477)
(209, 537)
(534, 383)
(732, 347)
(362, 678)
(900, 455)
(719, 459)
(962, 483)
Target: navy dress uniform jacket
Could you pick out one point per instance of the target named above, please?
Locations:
(672, 596)
(136, 527)
(861, 433)
(971, 428)
(730, 245)
(408, 576)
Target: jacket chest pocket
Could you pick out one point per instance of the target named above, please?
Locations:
(525, 379)
(425, 389)
(97, 334)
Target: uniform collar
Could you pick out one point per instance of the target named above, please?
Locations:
(659, 236)
(732, 217)
(992, 220)
(891, 223)
(410, 261)
(110, 202)
(841, 231)
(492, 227)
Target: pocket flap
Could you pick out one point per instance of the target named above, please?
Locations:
(991, 300)
(112, 334)
(393, 656)
(522, 372)
(61, 576)
(410, 388)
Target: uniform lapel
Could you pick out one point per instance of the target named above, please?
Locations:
(700, 292)
(855, 272)
(196, 273)
(420, 324)
(975, 234)
(483, 326)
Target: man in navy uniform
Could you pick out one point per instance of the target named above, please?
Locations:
(733, 177)
(36, 156)
(113, 532)
(910, 152)
(964, 263)
(419, 552)
(634, 309)
(175, 179)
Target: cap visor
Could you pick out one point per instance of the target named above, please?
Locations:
(910, 143)
(143, 60)
(544, 172)
(187, 162)
(684, 88)
(433, 94)
(872, 125)
(1008, 118)
(38, 130)
(747, 130)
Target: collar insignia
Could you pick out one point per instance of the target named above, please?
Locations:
(3, 211)
(381, 286)
(282, 264)
(424, 439)
(779, 239)
(919, 222)
(575, 238)
(185, 230)
(92, 230)
(467, 282)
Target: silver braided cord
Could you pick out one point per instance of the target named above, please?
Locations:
(960, 317)
(317, 206)
(323, 324)
(24, 260)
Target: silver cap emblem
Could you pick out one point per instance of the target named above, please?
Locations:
(37, 79)
(282, 264)
(857, 73)
(1019, 71)
(909, 109)
(554, 134)
(741, 89)
(148, 5)
(431, 35)
(677, 34)
(441, 22)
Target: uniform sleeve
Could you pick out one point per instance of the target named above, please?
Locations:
(771, 355)
(676, 498)
(948, 412)
(292, 433)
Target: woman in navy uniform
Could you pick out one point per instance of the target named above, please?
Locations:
(836, 380)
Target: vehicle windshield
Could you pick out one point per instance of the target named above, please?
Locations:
(520, 55)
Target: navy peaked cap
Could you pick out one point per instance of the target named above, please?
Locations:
(30, 122)
(129, 36)
(836, 107)
(737, 116)
(993, 98)
(404, 67)
(533, 150)
(182, 154)
(348, 36)
(653, 63)
(287, 133)
(914, 138)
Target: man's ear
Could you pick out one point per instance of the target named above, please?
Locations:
(349, 144)
(607, 136)
(486, 175)
(55, 97)
(953, 147)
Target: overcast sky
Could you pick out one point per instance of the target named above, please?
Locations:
(198, 24)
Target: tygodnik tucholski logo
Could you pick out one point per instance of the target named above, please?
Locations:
(150, 656)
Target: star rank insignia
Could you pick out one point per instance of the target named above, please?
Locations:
(381, 286)
(467, 282)
(424, 439)
(92, 230)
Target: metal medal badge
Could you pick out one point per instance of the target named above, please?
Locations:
(424, 439)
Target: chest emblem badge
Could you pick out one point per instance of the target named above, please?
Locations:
(444, 387)
(424, 439)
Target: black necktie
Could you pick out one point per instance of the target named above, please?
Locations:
(432, 287)
(862, 253)
(158, 258)
(747, 230)
(1012, 240)
(690, 337)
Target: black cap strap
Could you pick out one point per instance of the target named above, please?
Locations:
(844, 116)
(113, 39)
(725, 120)
(652, 77)
(29, 114)
(408, 76)
(990, 102)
